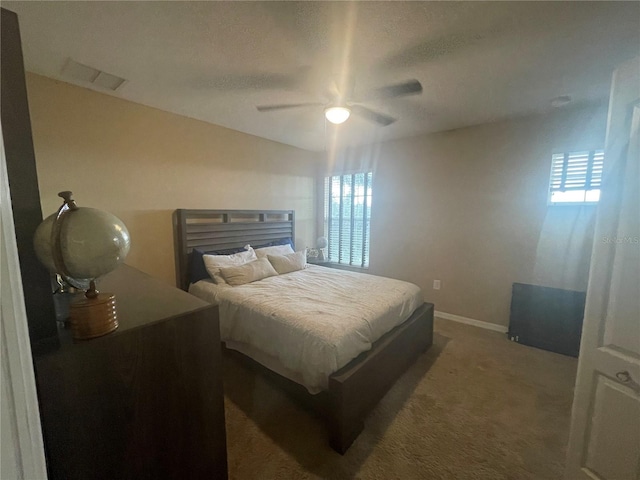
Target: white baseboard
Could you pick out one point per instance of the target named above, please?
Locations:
(471, 321)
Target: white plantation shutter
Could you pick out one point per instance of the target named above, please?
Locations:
(575, 172)
(347, 208)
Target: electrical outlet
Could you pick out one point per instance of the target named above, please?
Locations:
(436, 284)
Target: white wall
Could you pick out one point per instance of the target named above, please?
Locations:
(469, 207)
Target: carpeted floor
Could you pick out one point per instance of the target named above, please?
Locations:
(475, 406)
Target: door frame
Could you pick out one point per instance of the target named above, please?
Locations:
(22, 454)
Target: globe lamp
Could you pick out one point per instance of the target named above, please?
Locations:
(321, 244)
(81, 244)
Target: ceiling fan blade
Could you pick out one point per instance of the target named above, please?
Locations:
(268, 108)
(434, 48)
(412, 87)
(372, 116)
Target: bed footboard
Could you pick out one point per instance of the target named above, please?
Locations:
(355, 389)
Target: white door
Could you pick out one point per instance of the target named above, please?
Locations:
(21, 447)
(604, 441)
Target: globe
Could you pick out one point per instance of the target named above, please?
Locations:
(91, 242)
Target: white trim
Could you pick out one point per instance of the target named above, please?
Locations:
(470, 321)
(21, 431)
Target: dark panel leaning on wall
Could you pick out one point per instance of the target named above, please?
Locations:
(23, 180)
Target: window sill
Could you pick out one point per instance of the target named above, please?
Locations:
(572, 204)
(342, 266)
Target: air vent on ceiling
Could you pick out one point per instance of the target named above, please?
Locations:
(86, 74)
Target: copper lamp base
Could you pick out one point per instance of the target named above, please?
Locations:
(93, 317)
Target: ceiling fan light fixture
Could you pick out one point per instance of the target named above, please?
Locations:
(337, 115)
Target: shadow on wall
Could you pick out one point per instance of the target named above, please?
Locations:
(563, 254)
(151, 242)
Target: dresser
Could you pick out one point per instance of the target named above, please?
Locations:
(143, 402)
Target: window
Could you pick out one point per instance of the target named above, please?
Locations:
(576, 177)
(347, 218)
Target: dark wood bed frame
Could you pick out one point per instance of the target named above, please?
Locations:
(354, 389)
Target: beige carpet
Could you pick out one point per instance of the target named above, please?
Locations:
(476, 406)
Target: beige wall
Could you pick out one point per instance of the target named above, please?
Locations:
(141, 164)
(469, 207)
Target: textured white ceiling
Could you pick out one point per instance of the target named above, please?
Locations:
(215, 61)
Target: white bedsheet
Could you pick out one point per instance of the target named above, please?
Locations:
(310, 323)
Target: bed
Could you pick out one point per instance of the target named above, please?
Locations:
(340, 369)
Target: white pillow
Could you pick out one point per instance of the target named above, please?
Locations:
(249, 272)
(213, 263)
(288, 263)
(275, 250)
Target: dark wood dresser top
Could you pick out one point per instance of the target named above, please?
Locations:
(141, 300)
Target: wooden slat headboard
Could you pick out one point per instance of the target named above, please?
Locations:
(210, 230)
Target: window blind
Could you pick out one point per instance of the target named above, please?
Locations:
(576, 171)
(347, 206)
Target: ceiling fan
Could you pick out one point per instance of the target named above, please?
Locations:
(337, 111)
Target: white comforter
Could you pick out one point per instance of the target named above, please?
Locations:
(311, 322)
